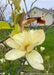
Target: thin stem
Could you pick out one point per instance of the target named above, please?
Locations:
(32, 4)
(27, 11)
(10, 66)
(21, 66)
(25, 6)
(48, 66)
(48, 12)
(4, 39)
(10, 5)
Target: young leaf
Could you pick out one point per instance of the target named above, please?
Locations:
(17, 17)
(21, 18)
(17, 27)
(13, 33)
(13, 15)
(19, 8)
(27, 29)
(4, 25)
(16, 30)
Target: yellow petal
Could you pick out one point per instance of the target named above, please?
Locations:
(37, 66)
(35, 60)
(10, 42)
(14, 54)
(19, 38)
(35, 56)
(37, 36)
(27, 39)
(29, 48)
(22, 39)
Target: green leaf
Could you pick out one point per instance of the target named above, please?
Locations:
(17, 27)
(17, 17)
(4, 25)
(19, 8)
(15, 31)
(13, 15)
(27, 29)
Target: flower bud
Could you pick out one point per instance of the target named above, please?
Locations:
(26, 63)
(42, 49)
(2, 60)
(47, 57)
(22, 73)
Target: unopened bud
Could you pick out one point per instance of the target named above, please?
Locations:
(26, 63)
(42, 49)
(2, 60)
(47, 57)
(22, 73)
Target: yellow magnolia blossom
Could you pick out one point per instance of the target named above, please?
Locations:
(23, 44)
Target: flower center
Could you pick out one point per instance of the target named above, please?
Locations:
(26, 47)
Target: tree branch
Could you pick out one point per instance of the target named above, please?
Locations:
(4, 39)
(32, 4)
(25, 5)
(21, 66)
(49, 26)
(47, 12)
(10, 5)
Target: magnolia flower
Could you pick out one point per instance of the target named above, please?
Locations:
(23, 44)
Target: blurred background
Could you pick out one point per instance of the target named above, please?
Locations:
(42, 6)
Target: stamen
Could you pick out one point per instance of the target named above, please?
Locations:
(26, 47)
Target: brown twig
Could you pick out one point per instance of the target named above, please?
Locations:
(32, 4)
(27, 11)
(21, 66)
(10, 5)
(25, 5)
(47, 12)
(4, 39)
